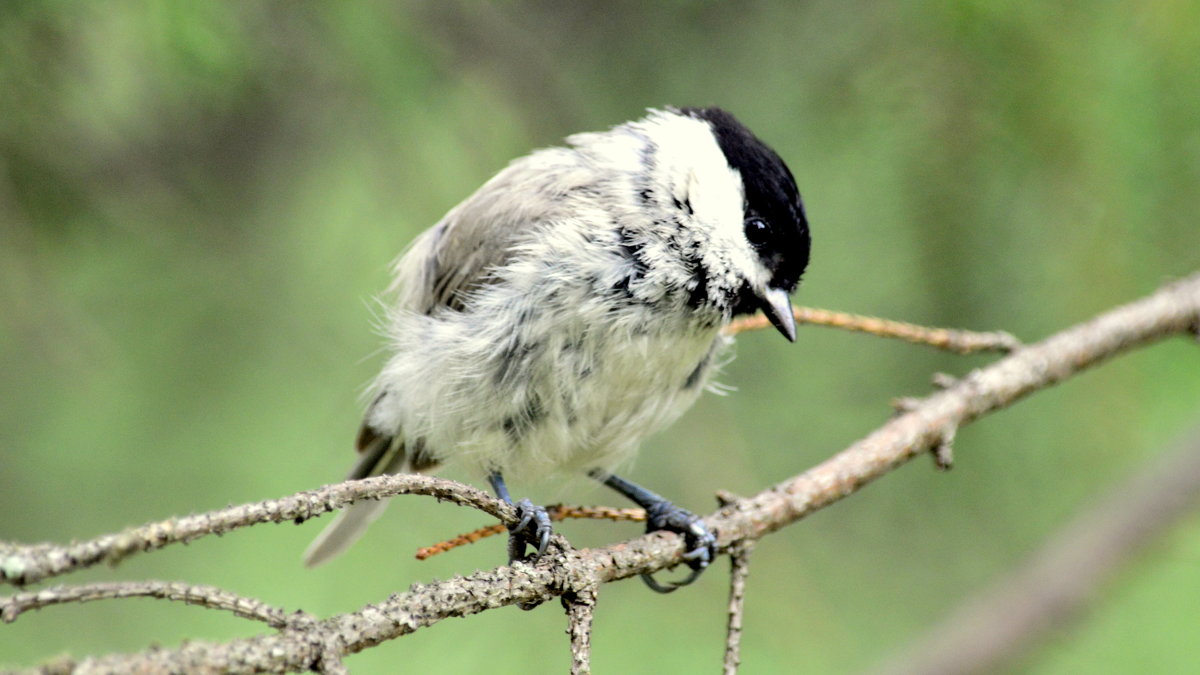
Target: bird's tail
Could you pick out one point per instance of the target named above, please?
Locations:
(345, 529)
(380, 454)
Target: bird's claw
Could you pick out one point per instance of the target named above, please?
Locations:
(701, 543)
(533, 527)
(671, 586)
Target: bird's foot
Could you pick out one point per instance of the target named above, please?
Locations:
(700, 541)
(533, 528)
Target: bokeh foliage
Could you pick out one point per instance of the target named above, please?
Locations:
(198, 201)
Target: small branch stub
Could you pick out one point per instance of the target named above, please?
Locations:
(943, 452)
(943, 380)
(903, 404)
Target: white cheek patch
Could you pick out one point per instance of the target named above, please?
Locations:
(698, 187)
(715, 192)
(698, 172)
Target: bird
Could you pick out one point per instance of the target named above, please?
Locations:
(572, 306)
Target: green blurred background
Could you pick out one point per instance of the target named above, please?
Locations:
(198, 202)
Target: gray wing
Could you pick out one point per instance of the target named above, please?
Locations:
(457, 255)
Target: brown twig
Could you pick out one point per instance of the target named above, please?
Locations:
(953, 340)
(427, 552)
(557, 512)
(1171, 310)
(193, 594)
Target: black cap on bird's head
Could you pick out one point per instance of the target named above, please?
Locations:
(775, 224)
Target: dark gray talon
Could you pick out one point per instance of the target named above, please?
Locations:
(526, 517)
(533, 527)
(528, 514)
(700, 542)
(674, 585)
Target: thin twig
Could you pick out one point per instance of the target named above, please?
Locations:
(739, 571)
(995, 629)
(1171, 310)
(581, 607)
(193, 594)
(557, 512)
(23, 564)
(948, 339)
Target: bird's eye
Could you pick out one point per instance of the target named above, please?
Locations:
(757, 231)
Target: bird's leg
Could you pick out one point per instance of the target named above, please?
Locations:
(663, 515)
(533, 526)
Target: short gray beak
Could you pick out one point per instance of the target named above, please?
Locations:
(778, 308)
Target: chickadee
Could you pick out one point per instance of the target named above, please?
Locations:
(573, 305)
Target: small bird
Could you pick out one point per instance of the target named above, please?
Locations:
(573, 305)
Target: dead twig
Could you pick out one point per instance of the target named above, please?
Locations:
(948, 339)
(557, 512)
(193, 594)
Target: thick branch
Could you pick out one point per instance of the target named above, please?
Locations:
(1173, 309)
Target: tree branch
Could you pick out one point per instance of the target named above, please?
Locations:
(1172, 310)
(192, 594)
(24, 564)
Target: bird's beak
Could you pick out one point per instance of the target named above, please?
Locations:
(778, 308)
